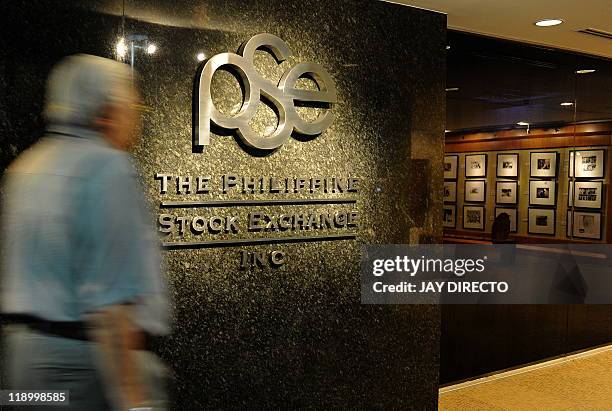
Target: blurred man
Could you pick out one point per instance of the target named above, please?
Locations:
(81, 268)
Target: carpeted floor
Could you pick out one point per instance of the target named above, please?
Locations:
(578, 382)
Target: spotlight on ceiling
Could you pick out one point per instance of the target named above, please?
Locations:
(548, 22)
(201, 57)
(151, 48)
(567, 103)
(452, 89)
(585, 71)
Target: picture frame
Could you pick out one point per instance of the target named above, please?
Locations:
(585, 224)
(541, 221)
(449, 217)
(475, 165)
(512, 213)
(507, 165)
(543, 164)
(475, 191)
(450, 192)
(506, 192)
(542, 193)
(473, 217)
(587, 194)
(451, 163)
(588, 163)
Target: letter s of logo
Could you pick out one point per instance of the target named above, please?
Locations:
(283, 97)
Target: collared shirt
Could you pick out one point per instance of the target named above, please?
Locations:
(77, 236)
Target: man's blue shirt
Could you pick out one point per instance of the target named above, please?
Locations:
(77, 236)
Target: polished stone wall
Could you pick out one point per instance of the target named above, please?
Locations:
(294, 335)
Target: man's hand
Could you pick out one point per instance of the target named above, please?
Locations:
(117, 339)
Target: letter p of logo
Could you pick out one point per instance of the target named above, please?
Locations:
(283, 96)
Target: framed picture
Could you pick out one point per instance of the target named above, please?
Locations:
(450, 216)
(450, 167)
(507, 165)
(512, 213)
(450, 191)
(475, 191)
(506, 192)
(473, 217)
(541, 221)
(585, 225)
(542, 192)
(475, 165)
(587, 194)
(587, 163)
(544, 164)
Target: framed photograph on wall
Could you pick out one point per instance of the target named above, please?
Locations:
(585, 225)
(449, 219)
(512, 214)
(543, 164)
(541, 221)
(475, 191)
(542, 192)
(473, 217)
(587, 163)
(507, 165)
(587, 194)
(450, 191)
(450, 167)
(475, 165)
(506, 192)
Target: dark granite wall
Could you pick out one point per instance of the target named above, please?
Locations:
(294, 336)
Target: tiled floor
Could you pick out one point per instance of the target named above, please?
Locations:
(578, 382)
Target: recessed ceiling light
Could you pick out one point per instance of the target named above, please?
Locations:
(201, 56)
(585, 71)
(567, 103)
(548, 22)
(447, 47)
(452, 89)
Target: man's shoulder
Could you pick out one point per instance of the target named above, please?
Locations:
(70, 157)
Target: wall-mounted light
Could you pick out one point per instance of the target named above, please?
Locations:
(585, 71)
(567, 104)
(201, 56)
(447, 131)
(452, 89)
(121, 48)
(523, 123)
(548, 22)
(127, 47)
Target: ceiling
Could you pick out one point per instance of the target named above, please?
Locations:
(498, 83)
(514, 20)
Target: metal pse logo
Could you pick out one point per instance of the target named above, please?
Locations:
(283, 97)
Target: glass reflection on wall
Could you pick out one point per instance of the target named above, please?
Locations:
(509, 97)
